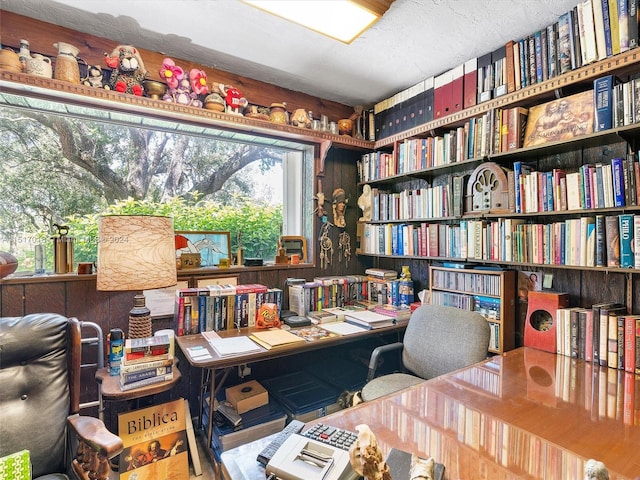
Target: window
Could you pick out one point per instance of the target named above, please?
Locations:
(65, 163)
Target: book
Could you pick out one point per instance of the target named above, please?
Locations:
(626, 229)
(612, 238)
(155, 449)
(138, 375)
(562, 119)
(603, 98)
(145, 382)
(368, 319)
(381, 273)
(146, 365)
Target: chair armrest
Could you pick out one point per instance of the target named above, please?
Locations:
(375, 355)
(93, 432)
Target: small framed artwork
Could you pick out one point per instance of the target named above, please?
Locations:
(212, 246)
(295, 245)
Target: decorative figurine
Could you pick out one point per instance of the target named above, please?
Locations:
(365, 202)
(422, 468)
(128, 70)
(233, 98)
(94, 77)
(339, 205)
(366, 457)
(171, 73)
(595, 470)
(300, 118)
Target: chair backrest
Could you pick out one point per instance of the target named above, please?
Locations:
(441, 339)
(39, 378)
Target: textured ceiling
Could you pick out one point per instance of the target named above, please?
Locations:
(414, 40)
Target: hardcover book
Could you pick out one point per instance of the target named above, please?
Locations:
(155, 443)
(627, 259)
(559, 120)
(612, 240)
(603, 98)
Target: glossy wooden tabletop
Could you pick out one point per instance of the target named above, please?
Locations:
(526, 414)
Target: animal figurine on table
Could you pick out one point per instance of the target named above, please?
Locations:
(128, 70)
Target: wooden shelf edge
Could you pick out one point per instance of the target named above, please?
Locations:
(56, 90)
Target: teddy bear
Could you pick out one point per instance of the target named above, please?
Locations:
(128, 70)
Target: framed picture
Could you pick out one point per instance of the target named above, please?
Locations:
(212, 246)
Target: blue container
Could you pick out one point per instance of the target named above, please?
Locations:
(116, 350)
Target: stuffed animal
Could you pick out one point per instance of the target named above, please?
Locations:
(183, 88)
(128, 70)
(94, 77)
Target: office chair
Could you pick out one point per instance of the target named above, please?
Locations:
(40, 398)
(438, 340)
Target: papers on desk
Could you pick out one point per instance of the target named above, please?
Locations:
(275, 337)
(229, 346)
(368, 319)
(342, 328)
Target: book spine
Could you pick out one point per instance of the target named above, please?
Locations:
(146, 382)
(606, 20)
(630, 343)
(136, 376)
(601, 253)
(612, 230)
(145, 365)
(603, 92)
(626, 227)
(618, 182)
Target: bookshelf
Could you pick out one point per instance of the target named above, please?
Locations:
(490, 292)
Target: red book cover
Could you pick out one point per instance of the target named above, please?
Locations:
(470, 83)
(442, 94)
(457, 89)
(630, 343)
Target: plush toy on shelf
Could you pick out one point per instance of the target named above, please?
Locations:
(128, 70)
(183, 88)
(233, 98)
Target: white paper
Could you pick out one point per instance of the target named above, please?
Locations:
(234, 346)
(342, 328)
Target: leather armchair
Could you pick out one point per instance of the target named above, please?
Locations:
(40, 400)
(438, 340)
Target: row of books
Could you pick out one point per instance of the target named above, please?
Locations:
(146, 361)
(593, 30)
(221, 307)
(311, 296)
(604, 334)
(602, 185)
(596, 241)
(498, 130)
(617, 103)
(467, 281)
(610, 184)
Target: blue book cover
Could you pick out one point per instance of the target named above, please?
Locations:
(618, 182)
(538, 48)
(607, 27)
(626, 240)
(603, 96)
(523, 63)
(550, 196)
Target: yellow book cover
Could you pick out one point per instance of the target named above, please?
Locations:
(155, 443)
(560, 120)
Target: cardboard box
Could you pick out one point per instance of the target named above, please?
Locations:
(247, 396)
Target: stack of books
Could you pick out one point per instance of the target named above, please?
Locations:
(146, 361)
(368, 319)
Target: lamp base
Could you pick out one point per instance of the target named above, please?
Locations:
(140, 325)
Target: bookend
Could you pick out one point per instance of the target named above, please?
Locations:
(540, 324)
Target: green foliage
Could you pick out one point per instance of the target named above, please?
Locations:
(258, 223)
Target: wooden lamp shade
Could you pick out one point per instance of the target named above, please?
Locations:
(135, 253)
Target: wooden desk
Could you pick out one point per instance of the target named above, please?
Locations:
(526, 414)
(214, 362)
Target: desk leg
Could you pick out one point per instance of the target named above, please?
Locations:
(212, 396)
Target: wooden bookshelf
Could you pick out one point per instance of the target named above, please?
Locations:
(490, 292)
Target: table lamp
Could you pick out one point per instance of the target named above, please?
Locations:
(135, 253)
